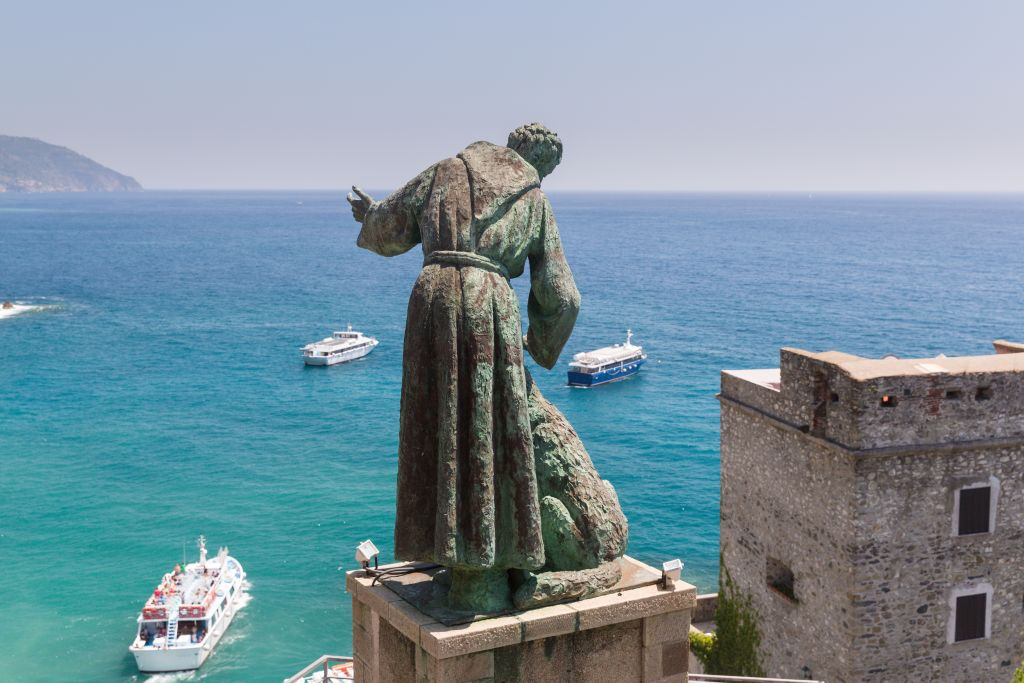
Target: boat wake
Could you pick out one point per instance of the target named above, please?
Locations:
(173, 677)
(245, 598)
(9, 309)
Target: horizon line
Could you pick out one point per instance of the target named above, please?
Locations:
(604, 191)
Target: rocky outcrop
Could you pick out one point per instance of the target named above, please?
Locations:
(30, 165)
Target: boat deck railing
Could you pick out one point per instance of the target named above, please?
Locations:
(326, 661)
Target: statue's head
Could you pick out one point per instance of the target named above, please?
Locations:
(538, 145)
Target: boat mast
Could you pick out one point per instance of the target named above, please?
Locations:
(629, 336)
(202, 549)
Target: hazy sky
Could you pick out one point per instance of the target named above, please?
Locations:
(712, 95)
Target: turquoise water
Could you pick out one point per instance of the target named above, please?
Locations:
(160, 393)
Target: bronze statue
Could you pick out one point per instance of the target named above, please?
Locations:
(492, 480)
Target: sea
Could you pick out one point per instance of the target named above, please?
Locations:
(158, 393)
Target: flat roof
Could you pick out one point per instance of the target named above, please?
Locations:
(606, 353)
(862, 369)
(766, 377)
(1009, 358)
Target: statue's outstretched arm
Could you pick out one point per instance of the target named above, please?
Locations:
(391, 227)
(554, 300)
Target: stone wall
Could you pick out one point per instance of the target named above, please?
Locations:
(635, 634)
(939, 408)
(704, 610)
(855, 496)
(908, 561)
(924, 409)
(790, 498)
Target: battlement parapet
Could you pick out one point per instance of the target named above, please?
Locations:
(866, 403)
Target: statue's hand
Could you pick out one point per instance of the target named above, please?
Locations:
(361, 202)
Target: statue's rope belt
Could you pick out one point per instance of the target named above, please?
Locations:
(465, 258)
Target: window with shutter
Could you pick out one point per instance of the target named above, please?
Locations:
(975, 509)
(970, 616)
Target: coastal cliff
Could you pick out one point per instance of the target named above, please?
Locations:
(30, 165)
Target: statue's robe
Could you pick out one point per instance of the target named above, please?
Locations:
(467, 484)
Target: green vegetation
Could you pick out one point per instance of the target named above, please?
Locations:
(732, 650)
(701, 645)
(1018, 675)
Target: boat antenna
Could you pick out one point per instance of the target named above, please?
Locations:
(629, 336)
(202, 549)
(183, 560)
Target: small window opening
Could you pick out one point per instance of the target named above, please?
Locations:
(889, 401)
(780, 578)
(834, 397)
(983, 394)
(970, 617)
(953, 394)
(975, 509)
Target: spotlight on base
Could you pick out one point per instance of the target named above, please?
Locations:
(365, 552)
(671, 571)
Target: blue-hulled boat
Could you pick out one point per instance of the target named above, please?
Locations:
(608, 364)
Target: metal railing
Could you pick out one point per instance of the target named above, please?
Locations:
(715, 678)
(329, 676)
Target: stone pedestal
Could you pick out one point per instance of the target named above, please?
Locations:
(636, 632)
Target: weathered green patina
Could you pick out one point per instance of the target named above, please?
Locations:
(492, 480)
(582, 523)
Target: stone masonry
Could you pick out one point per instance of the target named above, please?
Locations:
(842, 480)
(633, 634)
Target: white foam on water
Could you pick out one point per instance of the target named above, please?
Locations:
(24, 307)
(172, 677)
(245, 598)
(17, 310)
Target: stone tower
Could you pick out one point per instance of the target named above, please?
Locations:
(874, 511)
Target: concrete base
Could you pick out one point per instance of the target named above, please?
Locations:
(636, 634)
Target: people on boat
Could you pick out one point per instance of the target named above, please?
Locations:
(8, 305)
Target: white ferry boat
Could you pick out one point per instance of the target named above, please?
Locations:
(188, 613)
(607, 364)
(340, 347)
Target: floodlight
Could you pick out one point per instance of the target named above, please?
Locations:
(671, 571)
(365, 552)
